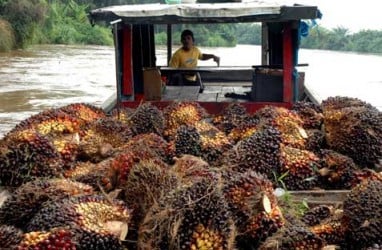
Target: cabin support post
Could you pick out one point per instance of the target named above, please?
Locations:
(169, 43)
(287, 62)
(127, 63)
(117, 61)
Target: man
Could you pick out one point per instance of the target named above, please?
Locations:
(187, 57)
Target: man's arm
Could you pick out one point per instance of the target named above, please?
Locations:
(209, 56)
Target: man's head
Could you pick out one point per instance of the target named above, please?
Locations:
(187, 39)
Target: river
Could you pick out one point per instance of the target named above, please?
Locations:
(47, 76)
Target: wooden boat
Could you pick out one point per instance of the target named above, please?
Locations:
(275, 82)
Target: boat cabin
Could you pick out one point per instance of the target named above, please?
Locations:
(275, 81)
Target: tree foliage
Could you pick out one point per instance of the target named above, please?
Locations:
(65, 22)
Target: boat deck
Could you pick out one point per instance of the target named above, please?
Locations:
(211, 93)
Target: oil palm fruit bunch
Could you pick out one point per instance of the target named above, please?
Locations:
(355, 131)
(287, 122)
(147, 182)
(10, 237)
(56, 238)
(245, 129)
(147, 118)
(315, 140)
(331, 229)
(299, 168)
(27, 199)
(340, 102)
(188, 141)
(83, 111)
(253, 206)
(150, 145)
(260, 152)
(213, 141)
(230, 117)
(99, 137)
(97, 222)
(362, 209)
(315, 215)
(293, 237)
(336, 171)
(181, 113)
(190, 168)
(100, 175)
(25, 155)
(310, 113)
(192, 216)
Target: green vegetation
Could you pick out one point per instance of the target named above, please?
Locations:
(26, 22)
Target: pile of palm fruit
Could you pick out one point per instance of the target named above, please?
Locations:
(76, 177)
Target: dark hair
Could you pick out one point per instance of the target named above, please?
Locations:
(187, 33)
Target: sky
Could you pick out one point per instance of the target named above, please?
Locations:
(350, 14)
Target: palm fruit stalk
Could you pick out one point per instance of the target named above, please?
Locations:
(97, 222)
(253, 205)
(29, 198)
(147, 182)
(355, 131)
(193, 216)
(362, 210)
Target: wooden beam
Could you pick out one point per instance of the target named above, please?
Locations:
(287, 63)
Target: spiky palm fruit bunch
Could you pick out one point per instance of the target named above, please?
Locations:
(100, 137)
(363, 215)
(102, 175)
(83, 111)
(230, 117)
(260, 153)
(340, 102)
(213, 141)
(245, 129)
(355, 132)
(365, 174)
(25, 155)
(57, 238)
(336, 170)
(95, 220)
(299, 167)
(293, 237)
(253, 206)
(287, 122)
(147, 182)
(331, 229)
(315, 140)
(10, 237)
(187, 141)
(315, 215)
(310, 113)
(181, 113)
(189, 217)
(150, 145)
(147, 118)
(27, 199)
(189, 168)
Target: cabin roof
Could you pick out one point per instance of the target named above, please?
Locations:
(254, 11)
